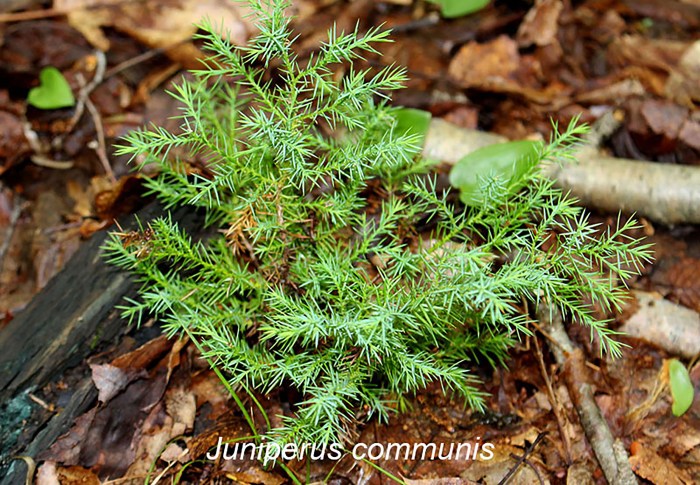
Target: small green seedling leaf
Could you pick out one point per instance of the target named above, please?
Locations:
(412, 121)
(53, 91)
(509, 161)
(458, 8)
(682, 390)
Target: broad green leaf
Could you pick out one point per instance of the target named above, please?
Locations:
(458, 8)
(682, 390)
(53, 91)
(412, 121)
(508, 161)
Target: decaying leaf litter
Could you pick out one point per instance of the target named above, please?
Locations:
(507, 69)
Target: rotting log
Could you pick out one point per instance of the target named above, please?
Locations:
(70, 319)
(63, 323)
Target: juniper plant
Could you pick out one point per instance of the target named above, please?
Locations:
(334, 266)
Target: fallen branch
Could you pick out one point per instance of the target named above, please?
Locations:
(610, 452)
(661, 192)
(667, 325)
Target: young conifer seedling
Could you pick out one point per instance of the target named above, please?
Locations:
(333, 266)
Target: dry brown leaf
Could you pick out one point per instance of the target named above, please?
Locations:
(663, 117)
(110, 380)
(228, 428)
(152, 438)
(81, 196)
(13, 143)
(47, 474)
(493, 470)
(151, 81)
(683, 85)
(145, 355)
(167, 24)
(684, 276)
(683, 436)
(649, 465)
(690, 134)
(647, 52)
(112, 201)
(174, 452)
(66, 449)
(497, 66)
(580, 474)
(76, 475)
(540, 24)
(256, 475)
(486, 65)
(613, 92)
(180, 404)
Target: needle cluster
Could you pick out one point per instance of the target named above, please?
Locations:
(333, 265)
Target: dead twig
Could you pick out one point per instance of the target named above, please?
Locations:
(523, 459)
(533, 467)
(554, 403)
(611, 455)
(83, 95)
(149, 54)
(100, 147)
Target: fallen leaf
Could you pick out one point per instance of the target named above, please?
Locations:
(663, 117)
(497, 66)
(256, 475)
(493, 470)
(174, 452)
(76, 475)
(580, 474)
(613, 92)
(540, 24)
(150, 440)
(47, 474)
(181, 406)
(145, 355)
(642, 51)
(81, 197)
(66, 449)
(228, 428)
(13, 143)
(166, 24)
(684, 277)
(690, 134)
(485, 64)
(683, 85)
(112, 201)
(683, 437)
(649, 465)
(111, 379)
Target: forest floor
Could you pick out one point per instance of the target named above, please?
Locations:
(509, 69)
